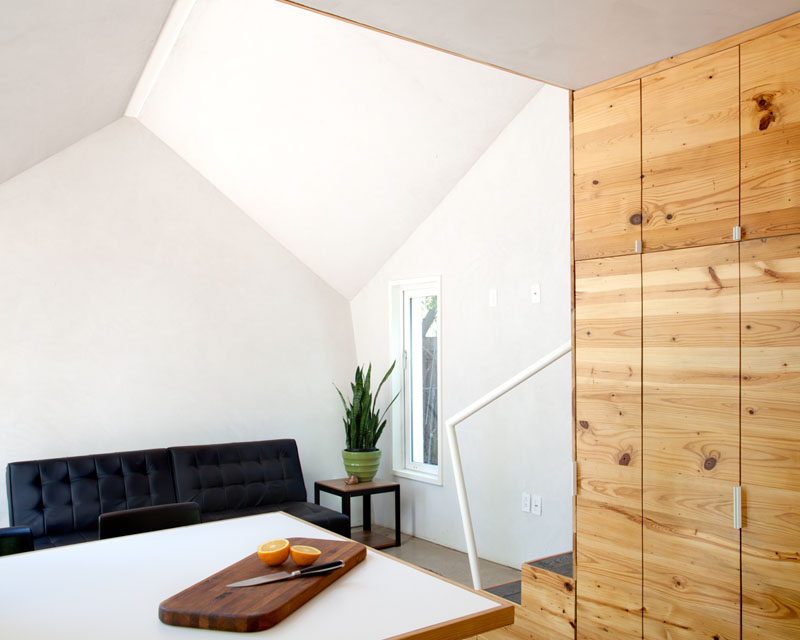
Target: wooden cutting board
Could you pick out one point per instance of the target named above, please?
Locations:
(209, 604)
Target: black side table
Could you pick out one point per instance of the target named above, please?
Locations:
(365, 490)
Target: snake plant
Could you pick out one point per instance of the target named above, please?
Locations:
(363, 423)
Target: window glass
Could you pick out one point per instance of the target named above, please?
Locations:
(417, 347)
(422, 363)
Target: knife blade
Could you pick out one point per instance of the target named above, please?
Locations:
(285, 575)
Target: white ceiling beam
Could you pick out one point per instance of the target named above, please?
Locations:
(170, 32)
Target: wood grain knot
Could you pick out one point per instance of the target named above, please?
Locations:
(636, 218)
(625, 459)
(669, 216)
(763, 100)
(765, 121)
(715, 277)
(752, 412)
(709, 464)
(583, 424)
(568, 586)
(595, 182)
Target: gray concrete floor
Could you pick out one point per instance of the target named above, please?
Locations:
(446, 562)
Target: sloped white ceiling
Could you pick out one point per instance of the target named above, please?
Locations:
(68, 68)
(570, 43)
(336, 139)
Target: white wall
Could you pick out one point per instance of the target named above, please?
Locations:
(504, 226)
(141, 308)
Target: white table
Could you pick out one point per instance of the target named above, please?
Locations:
(112, 589)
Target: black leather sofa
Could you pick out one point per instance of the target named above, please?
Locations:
(61, 499)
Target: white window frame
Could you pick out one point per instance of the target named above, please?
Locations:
(402, 465)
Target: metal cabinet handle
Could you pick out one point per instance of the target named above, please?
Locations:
(737, 507)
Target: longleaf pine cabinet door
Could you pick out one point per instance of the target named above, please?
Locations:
(690, 153)
(771, 438)
(608, 356)
(690, 442)
(770, 112)
(607, 166)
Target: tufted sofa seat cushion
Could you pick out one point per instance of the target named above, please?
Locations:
(61, 499)
(247, 478)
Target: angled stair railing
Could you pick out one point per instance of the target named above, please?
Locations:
(455, 454)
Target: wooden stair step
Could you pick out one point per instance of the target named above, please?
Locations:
(509, 590)
(551, 596)
(547, 611)
(561, 563)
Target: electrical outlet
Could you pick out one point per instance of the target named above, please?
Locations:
(536, 505)
(526, 502)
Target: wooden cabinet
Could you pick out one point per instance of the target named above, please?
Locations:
(687, 357)
(690, 153)
(690, 442)
(770, 122)
(607, 166)
(674, 351)
(661, 158)
(770, 328)
(608, 439)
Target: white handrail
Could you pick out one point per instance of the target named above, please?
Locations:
(450, 426)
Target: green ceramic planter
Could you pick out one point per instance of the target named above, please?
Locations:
(364, 464)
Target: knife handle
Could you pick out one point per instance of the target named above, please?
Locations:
(322, 568)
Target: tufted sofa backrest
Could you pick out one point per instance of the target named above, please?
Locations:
(221, 477)
(62, 495)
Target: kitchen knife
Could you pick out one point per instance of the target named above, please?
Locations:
(285, 575)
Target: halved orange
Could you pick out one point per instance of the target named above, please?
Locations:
(303, 555)
(274, 552)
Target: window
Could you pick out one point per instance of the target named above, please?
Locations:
(416, 345)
